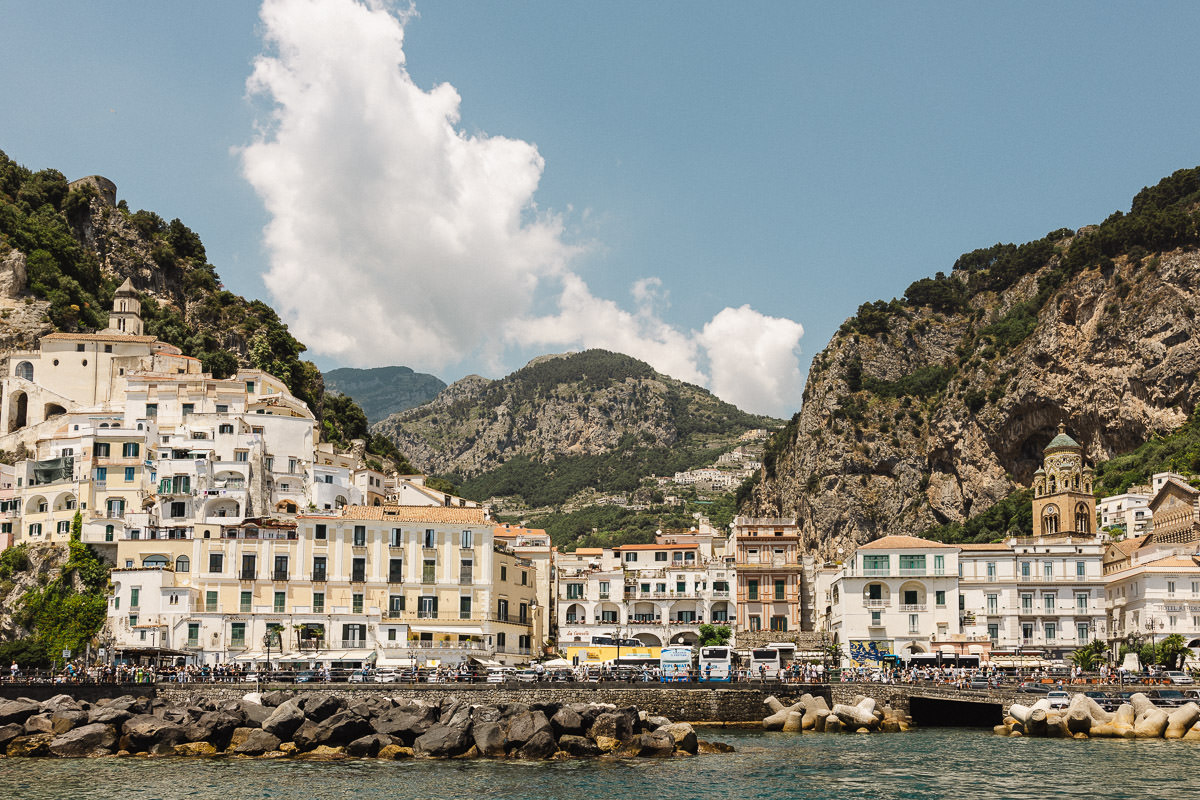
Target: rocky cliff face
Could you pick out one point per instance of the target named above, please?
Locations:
(928, 417)
(578, 404)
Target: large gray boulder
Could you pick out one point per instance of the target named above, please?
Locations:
(95, 739)
(319, 708)
(18, 710)
(37, 744)
(442, 741)
(489, 738)
(38, 723)
(66, 718)
(59, 702)
(524, 727)
(656, 744)
(109, 715)
(276, 698)
(305, 736)
(255, 714)
(578, 745)
(567, 721)
(611, 725)
(9, 732)
(342, 728)
(539, 746)
(214, 727)
(151, 734)
(368, 746)
(284, 720)
(684, 736)
(257, 743)
(403, 724)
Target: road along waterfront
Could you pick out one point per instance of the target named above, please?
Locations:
(927, 764)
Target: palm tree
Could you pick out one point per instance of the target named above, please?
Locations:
(1084, 658)
(1173, 651)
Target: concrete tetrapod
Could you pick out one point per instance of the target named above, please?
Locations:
(1181, 720)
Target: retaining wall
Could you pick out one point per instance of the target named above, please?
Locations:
(90, 692)
(679, 702)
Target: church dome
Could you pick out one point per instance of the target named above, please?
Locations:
(1062, 441)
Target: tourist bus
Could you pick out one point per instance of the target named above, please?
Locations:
(787, 652)
(765, 663)
(676, 663)
(715, 664)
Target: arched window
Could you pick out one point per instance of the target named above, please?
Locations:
(25, 370)
(183, 564)
(155, 562)
(1050, 520)
(1082, 519)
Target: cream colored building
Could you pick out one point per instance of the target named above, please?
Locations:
(770, 579)
(384, 585)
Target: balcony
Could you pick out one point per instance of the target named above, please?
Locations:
(247, 575)
(279, 575)
(318, 577)
(910, 607)
(868, 603)
(912, 572)
(425, 645)
(352, 644)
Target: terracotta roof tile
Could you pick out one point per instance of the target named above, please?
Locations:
(110, 336)
(1127, 546)
(903, 542)
(984, 546)
(657, 547)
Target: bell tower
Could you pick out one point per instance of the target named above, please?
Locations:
(1063, 503)
(126, 314)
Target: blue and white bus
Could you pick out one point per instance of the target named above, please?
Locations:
(765, 663)
(676, 663)
(715, 664)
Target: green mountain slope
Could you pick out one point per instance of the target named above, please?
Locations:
(383, 391)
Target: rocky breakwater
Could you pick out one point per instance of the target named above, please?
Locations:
(1083, 718)
(814, 714)
(319, 726)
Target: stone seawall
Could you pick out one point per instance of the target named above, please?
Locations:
(91, 692)
(687, 704)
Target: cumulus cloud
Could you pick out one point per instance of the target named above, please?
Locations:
(397, 238)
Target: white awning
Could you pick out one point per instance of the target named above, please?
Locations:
(297, 658)
(975, 648)
(250, 657)
(486, 662)
(350, 655)
(461, 630)
(947, 648)
(395, 662)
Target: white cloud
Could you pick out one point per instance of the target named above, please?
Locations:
(396, 238)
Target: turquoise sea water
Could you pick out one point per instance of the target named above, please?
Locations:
(924, 765)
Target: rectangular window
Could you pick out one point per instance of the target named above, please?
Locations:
(502, 610)
(188, 409)
(939, 565)
(101, 474)
(360, 535)
(503, 573)
(281, 568)
(1047, 570)
(1080, 569)
(210, 601)
(464, 607)
(134, 596)
(222, 408)
(237, 634)
(318, 602)
(991, 570)
(396, 539)
(101, 450)
(1026, 569)
(939, 598)
(993, 630)
(130, 450)
(245, 601)
(1048, 602)
(354, 635)
(249, 387)
(630, 556)
(1027, 603)
(574, 591)
(752, 590)
(249, 566)
(428, 571)
(356, 603)
(395, 604)
(874, 564)
(241, 455)
(912, 564)
(319, 568)
(466, 569)
(779, 588)
(130, 472)
(427, 607)
(1051, 631)
(319, 532)
(660, 556)
(914, 623)
(680, 587)
(358, 570)
(395, 570)
(1170, 588)
(1081, 632)
(1081, 601)
(280, 602)
(429, 539)
(993, 604)
(779, 623)
(467, 540)
(755, 623)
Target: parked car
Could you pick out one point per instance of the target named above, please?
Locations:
(500, 674)
(1059, 699)
(1104, 700)
(526, 675)
(308, 676)
(1178, 677)
(1167, 698)
(1033, 688)
(387, 675)
(252, 677)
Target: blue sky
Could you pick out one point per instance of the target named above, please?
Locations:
(707, 178)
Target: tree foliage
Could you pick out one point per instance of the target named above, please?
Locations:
(69, 610)
(1012, 516)
(714, 635)
(1178, 451)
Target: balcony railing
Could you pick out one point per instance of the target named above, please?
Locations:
(416, 644)
(247, 575)
(350, 644)
(871, 603)
(310, 644)
(909, 607)
(279, 575)
(318, 577)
